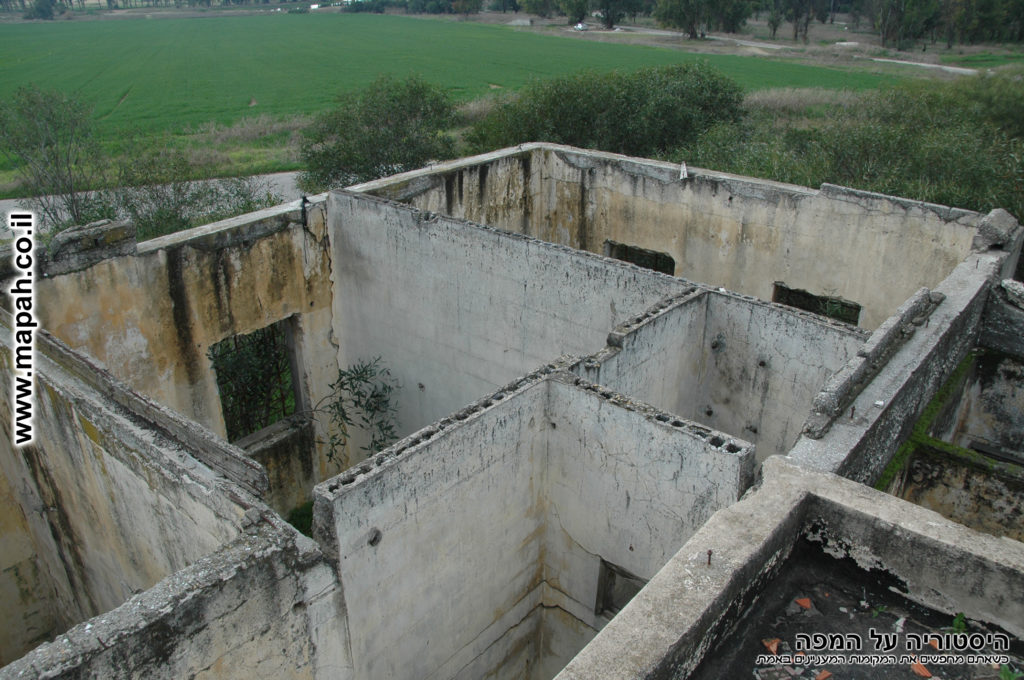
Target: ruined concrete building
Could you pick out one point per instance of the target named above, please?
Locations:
(629, 398)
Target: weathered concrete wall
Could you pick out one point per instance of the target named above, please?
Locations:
(110, 507)
(862, 441)
(151, 317)
(669, 626)
(264, 606)
(989, 415)
(457, 310)
(966, 487)
(733, 363)
(287, 450)
(438, 551)
(740, 233)
(628, 487)
(27, 597)
(512, 504)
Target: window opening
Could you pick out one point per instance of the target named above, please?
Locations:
(254, 378)
(826, 305)
(641, 257)
(615, 588)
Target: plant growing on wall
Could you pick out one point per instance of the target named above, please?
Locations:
(361, 397)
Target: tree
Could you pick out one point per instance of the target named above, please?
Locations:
(689, 15)
(612, 11)
(542, 8)
(391, 126)
(574, 10)
(730, 15)
(51, 139)
(776, 15)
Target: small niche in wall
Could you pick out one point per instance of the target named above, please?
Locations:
(826, 305)
(254, 378)
(641, 257)
(615, 588)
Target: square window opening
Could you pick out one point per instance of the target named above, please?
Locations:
(641, 257)
(615, 588)
(254, 379)
(825, 305)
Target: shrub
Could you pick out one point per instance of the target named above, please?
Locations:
(392, 126)
(158, 196)
(647, 112)
(954, 145)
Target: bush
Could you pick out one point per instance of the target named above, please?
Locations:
(158, 196)
(51, 141)
(645, 113)
(390, 127)
(955, 145)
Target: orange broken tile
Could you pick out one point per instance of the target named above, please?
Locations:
(934, 643)
(804, 602)
(772, 645)
(920, 670)
(822, 675)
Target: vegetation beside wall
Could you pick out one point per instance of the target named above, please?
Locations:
(958, 144)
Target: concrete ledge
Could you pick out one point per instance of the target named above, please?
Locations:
(667, 628)
(843, 387)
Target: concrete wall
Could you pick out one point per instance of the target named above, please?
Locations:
(151, 317)
(740, 233)
(966, 487)
(264, 606)
(862, 441)
(671, 624)
(26, 591)
(511, 504)
(457, 310)
(990, 411)
(457, 564)
(627, 487)
(107, 507)
(735, 364)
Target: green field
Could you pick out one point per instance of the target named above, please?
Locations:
(174, 74)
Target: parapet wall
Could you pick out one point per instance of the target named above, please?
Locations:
(261, 607)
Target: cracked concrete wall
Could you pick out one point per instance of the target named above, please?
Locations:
(110, 507)
(456, 310)
(263, 606)
(736, 364)
(740, 233)
(511, 505)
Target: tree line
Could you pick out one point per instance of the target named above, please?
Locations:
(899, 23)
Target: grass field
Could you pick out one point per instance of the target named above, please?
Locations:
(174, 74)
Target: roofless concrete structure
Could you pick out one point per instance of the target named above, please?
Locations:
(627, 397)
